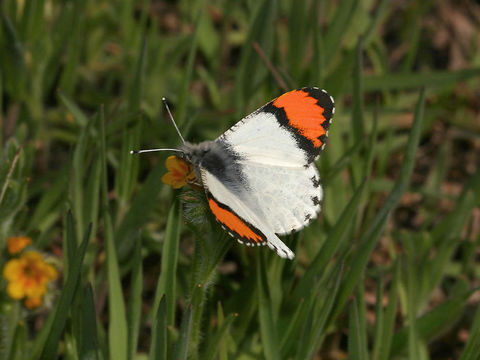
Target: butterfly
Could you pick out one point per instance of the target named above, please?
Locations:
(259, 176)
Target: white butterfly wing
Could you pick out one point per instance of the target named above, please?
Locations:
(234, 212)
(288, 198)
(276, 156)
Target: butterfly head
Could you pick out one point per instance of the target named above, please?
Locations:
(196, 154)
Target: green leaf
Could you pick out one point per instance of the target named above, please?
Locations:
(370, 237)
(117, 325)
(88, 348)
(413, 338)
(144, 202)
(184, 94)
(135, 303)
(64, 302)
(168, 273)
(431, 324)
(413, 80)
(218, 343)
(19, 345)
(383, 343)
(358, 111)
(181, 348)
(9, 319)
(355, 343)
(335, 238)
(159, 333)
(251, 71)
(472, 347)
(265, 317)
(325, 310)
(337, 28)
(77, 113)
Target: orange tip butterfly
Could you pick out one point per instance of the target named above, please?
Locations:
(259, 176)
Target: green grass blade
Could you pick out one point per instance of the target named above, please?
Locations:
(78, 183)
(70, 243)
(159, 333)
(144, 202)
(472, 347)
(357, 119)
(297, 30)
(77, 30)
(251, 69)
(305, 333)
(270, 342)
(335, 238)
(379, 320)
(128, 168)
(182, 346)
(369, 239)
(42, 336)
(319, 327)
(289, 337)
(117, 329)
(382, 347)
(416, 80)
(64, 302)
(184, 95)
(168, 273)
(13, 63)
(355, 344)
(380, 13)
(19, 349)
(218, 341)
(135, 303)
(413, 339)
(88, 348)
(9, 318)
(362, 320)
(432, 324)
(337, 28)
(357, 96)
(77, 113)
(344, 161)
(91, 204)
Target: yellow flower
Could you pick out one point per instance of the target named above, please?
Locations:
(15, 244)
(179, 174)
(28, 277)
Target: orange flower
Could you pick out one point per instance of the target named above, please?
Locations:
(28, 277)
(179, 174)
(15, 244)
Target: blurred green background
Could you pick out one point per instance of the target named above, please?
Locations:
(389, 270)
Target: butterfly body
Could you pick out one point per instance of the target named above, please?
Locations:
(259, 176)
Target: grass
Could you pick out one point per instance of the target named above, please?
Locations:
(389, 271)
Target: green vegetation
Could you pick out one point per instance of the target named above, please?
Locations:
(389, 271)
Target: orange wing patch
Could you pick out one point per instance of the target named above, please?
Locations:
(227, 218)
(304, 114)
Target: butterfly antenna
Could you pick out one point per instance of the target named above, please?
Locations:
(153, 150)
(171, 118)
(176, 128)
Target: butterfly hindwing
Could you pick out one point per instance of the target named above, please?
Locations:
(288, 198)
(234, 213)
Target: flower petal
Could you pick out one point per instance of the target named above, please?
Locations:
(15, 290)
(33, 302)
(12, 269)
(15, 244)
(179, 172)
